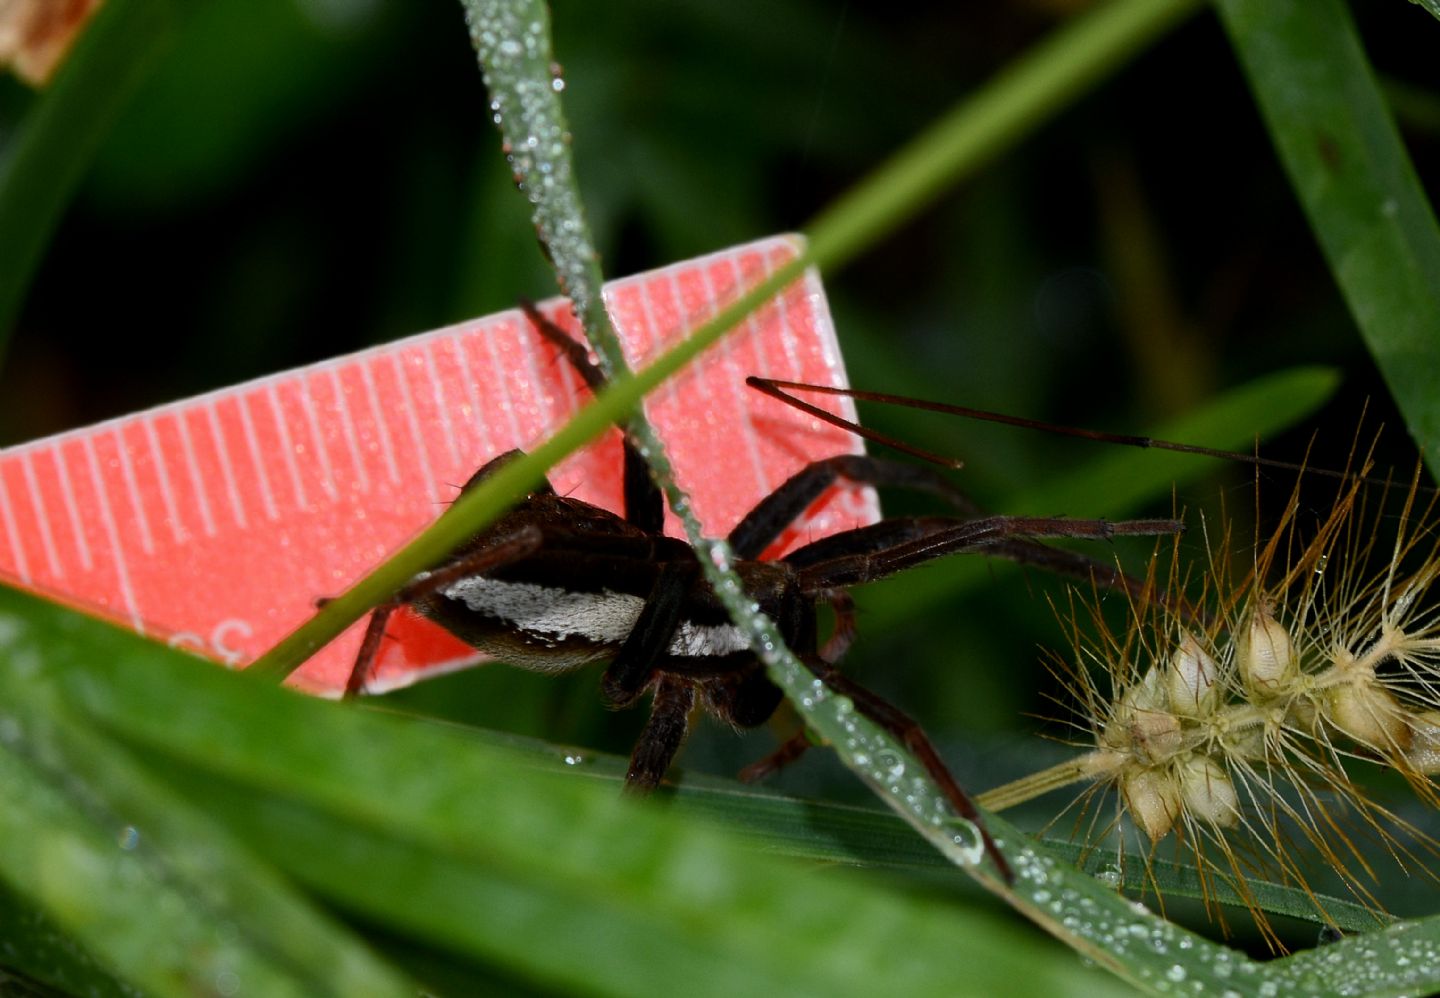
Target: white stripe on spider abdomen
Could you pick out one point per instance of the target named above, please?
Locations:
(553, 630)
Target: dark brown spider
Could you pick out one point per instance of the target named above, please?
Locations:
(557, 583)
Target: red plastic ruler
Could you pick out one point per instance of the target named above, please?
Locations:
(214, 523)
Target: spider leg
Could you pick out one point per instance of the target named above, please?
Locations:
(912, 736)
(643, 504)
(505, 550)
(779, 509)
(936, 536)
(663, 734)
(1099, 573)
(790, 750)
(629, 671)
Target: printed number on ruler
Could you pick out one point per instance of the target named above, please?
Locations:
(214, 523)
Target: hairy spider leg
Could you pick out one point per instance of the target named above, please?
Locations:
(776, 511)
(935, 536)
(631, 669)
(663, 735)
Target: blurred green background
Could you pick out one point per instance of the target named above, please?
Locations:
(301, 178)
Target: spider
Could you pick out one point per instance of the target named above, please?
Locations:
(557, 583)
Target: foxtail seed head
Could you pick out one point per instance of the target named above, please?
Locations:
(1242, 718)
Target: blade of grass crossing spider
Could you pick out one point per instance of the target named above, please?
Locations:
(43, 164)
(555, 878)
(1119, 480)
(1338, 143)
(142, 879)
(512, 40)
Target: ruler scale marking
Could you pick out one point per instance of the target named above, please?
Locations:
(472, 396)
(12, 531)
(437, 389)
(417, 436)
(702, 385)
(227, 469)
(72, 508)
(132, 491)
(754, 323)
(382, 429)
(507, 404)
(737, 385)
(318, 440)
(347, 423)
(117, 551)
(654, 343)
(197, 480)
(287, 447)
(252, 443)
(545, 401)
(167, 488)
(787, 331)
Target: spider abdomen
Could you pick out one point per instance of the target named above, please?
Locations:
(552, 629)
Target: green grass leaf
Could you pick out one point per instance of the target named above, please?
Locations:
(544, 874)
(142, 878)
(1433, 6)
(430, 831)
(1335, 136)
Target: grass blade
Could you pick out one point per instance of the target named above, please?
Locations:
(1337, 140)
(552, 877)
(141, 878)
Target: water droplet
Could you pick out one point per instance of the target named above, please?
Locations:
(128, 838)
(573, 758)
(1109, 875)
(1176, 973)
